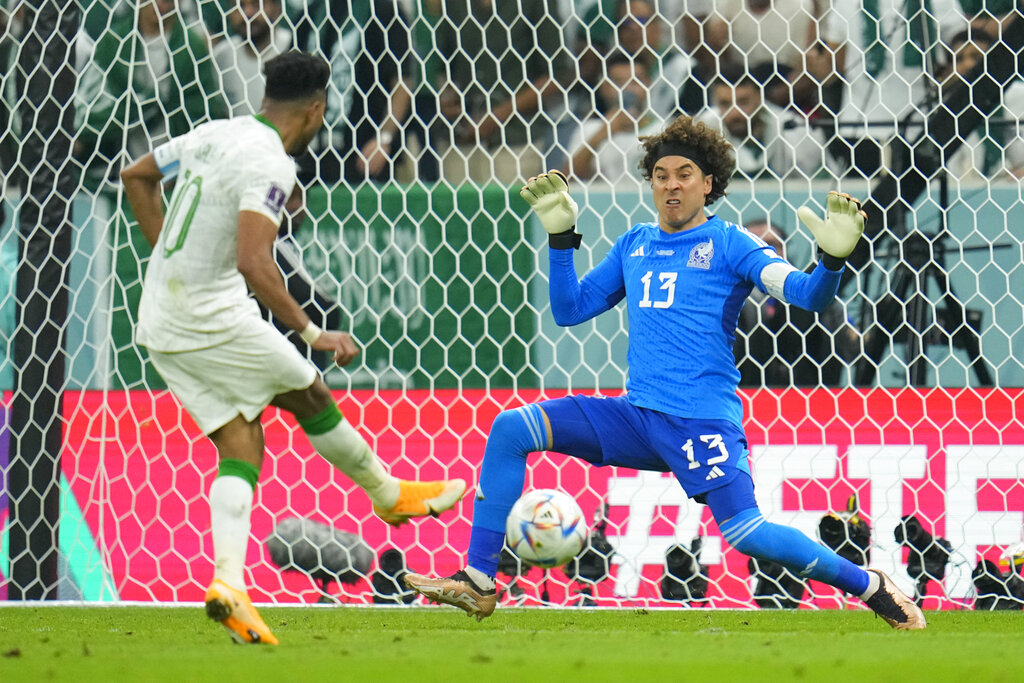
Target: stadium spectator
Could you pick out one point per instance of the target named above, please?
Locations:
(683, 24)
(990, 16)
(641, 31)
(605, 146)
(783, 346)
(97, 16)
(214, 16)
(256, 36)
(767, 139)
(596, 29)
(777, 42)
(886, 53)
(591, 33)
(682, 279)
(996, 148)
(746, 33)
(690, 17)
(590, 28)
(503, 74)
(205, 336)
(643, 34)
(372, 111)
(154, 77)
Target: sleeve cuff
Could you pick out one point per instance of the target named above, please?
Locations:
(570, 239)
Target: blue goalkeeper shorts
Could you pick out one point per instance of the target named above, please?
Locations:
(703, 454)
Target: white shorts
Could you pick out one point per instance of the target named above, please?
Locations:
(239, 377)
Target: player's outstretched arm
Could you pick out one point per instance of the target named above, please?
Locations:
(841, 229)
(256, 234)
(143, 187)
(572, 301)
(837, 235)
(548, 196)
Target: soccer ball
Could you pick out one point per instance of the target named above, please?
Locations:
(545, 528)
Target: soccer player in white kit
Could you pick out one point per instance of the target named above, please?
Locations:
(205, 335)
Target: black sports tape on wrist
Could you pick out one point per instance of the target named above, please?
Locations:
(831, 262)
(570, 239)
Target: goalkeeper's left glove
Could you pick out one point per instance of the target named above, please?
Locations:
(548, 196)
(839, 232)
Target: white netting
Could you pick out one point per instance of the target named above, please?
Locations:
(905, 396)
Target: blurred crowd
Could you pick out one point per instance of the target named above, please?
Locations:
(487, 91)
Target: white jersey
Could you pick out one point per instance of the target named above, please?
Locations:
(193, 296)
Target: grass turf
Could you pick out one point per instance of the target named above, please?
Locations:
(417, 645)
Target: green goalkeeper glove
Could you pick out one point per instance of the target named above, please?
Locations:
(838, 234)
(548, 196)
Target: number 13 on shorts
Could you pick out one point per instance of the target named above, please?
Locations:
(712, 451)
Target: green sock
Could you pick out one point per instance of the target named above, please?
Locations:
(239, 468)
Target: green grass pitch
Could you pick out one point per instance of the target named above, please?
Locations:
(418, 645)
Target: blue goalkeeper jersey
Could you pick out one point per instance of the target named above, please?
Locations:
(683, 294)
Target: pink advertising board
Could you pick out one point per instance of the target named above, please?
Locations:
(139, 470)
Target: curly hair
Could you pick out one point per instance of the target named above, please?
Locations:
(719, 159)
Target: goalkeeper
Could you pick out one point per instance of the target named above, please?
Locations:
(205, 335)
(684, 279)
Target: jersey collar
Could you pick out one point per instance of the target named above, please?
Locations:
(266, 122)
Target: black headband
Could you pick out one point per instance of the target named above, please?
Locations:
(681, 149)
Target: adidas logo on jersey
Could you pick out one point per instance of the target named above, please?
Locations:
(638, 252)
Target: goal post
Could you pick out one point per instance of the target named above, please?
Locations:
(870, 417)
(46, 79)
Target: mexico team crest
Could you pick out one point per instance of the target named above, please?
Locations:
(701, 255)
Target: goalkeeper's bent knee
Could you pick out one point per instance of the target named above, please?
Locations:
(514, 435)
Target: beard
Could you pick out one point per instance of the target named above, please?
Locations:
(299, 148)
(301, 145)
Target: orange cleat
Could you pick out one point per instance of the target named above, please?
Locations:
(422, 498)
(233, 609)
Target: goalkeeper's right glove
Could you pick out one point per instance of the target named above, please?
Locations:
(548, 196)
(839, 233)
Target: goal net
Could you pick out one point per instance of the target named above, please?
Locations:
(890, 426)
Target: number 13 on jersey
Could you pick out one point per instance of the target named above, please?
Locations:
(668, 285)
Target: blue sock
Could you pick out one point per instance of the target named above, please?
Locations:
(485, 549)
(514, 434)
(749, 533)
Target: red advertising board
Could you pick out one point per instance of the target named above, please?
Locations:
(140, 470)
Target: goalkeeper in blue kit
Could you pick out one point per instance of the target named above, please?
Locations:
(684, 279)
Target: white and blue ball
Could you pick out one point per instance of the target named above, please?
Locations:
(545, 528)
